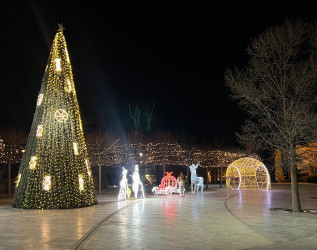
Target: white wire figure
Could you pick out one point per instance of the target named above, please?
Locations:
(123, 185)
(195, 181)
(137, 182)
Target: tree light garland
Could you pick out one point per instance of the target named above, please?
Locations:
(54, 171)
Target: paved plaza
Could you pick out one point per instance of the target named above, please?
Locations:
(215, 219)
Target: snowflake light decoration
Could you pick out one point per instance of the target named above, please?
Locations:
(61, 115)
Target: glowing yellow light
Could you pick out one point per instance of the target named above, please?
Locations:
(39, 131)
(61, 115)
(148, 178)
(67, 56)
(18, 180)
(46, 184)
(75, 148)
(58, 64)
(51, 179)
(39, 99)
(88, 170)
(69, 86)
(247, 173)
(32, 163)
(81, 182)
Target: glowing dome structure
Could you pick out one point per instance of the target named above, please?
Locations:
(247, 173)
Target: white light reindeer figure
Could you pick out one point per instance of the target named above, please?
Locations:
(195, 182)
(123, 185)
(137, 182)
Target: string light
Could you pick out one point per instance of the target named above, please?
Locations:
(169, 181)
(61, 152)
(159, 154)
(247, 173)
(308, 155)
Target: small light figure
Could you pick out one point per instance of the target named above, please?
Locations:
(81, 182)
(123, 185)
(39, 131)
(32, 163)
(39, 99)
(69, 86)
(18, 180)
(137, 182)
(75, 148)
(58, 64)
(141, 154)
(61, 115)
(46, 184)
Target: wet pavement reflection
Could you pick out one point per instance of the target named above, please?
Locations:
(215, 219)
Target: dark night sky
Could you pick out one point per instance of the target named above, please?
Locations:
(174, 53)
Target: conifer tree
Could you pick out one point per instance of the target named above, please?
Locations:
(55, 170)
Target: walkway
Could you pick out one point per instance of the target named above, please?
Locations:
(215, 219)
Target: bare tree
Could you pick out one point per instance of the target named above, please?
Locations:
(278, 91)
(12, 138)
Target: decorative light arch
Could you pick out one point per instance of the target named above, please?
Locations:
(247, 173)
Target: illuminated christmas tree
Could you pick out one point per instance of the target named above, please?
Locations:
(55, 170)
